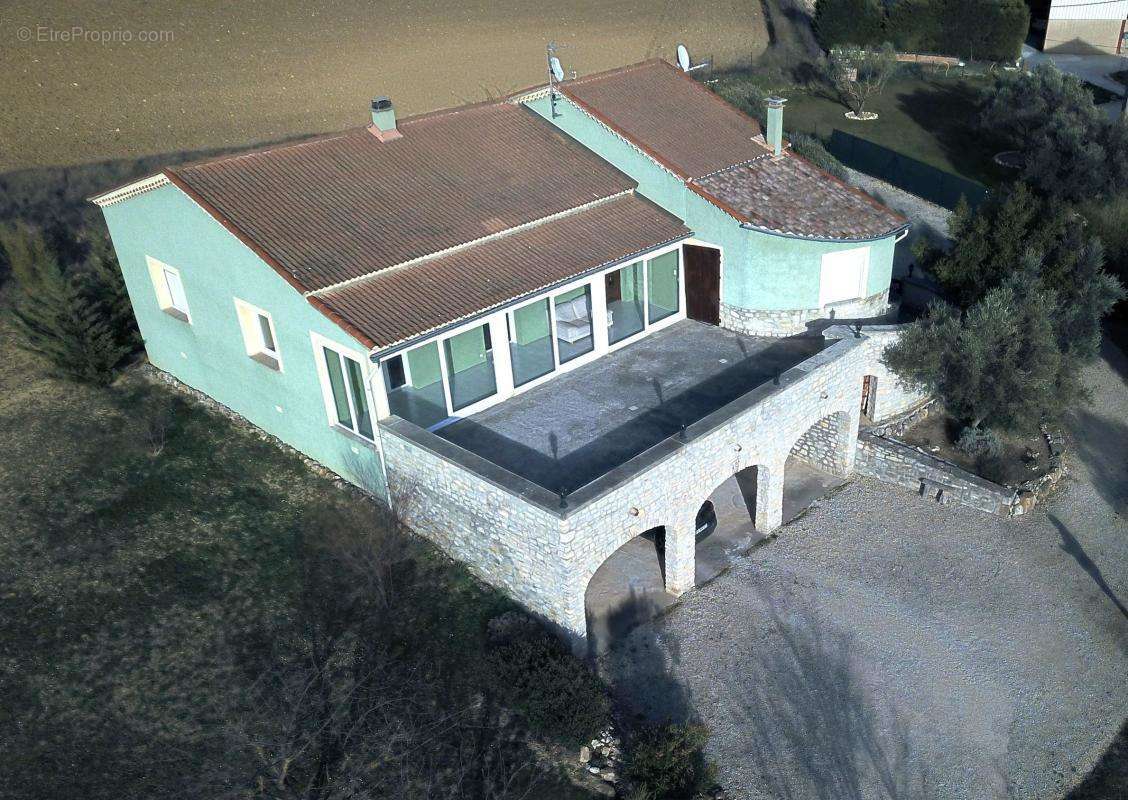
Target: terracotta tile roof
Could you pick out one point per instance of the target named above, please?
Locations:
(401, 303)
(670, 116)
(337, 207)
(704, 140)
(790, 195)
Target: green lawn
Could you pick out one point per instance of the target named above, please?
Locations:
(931, 119)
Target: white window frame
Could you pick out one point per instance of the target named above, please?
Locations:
(253, 341)
(503, 371)
(320, 342)
(863, 276)
(159, 273)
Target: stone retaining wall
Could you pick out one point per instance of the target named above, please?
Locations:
(895, 462)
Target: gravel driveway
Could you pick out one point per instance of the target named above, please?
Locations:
(884, 646)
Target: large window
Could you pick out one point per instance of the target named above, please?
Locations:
(530, 342)
(573, 323)
(414, 382)
(346, 385)
(663, 289)
(624, 302)
(470, 366)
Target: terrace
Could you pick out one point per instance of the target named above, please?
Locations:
(565, 433)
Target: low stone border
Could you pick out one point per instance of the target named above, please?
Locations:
(883, 456)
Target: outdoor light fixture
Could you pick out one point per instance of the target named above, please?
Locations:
(634, 512)
(737, 448)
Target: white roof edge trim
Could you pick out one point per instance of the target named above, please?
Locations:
(130, 190)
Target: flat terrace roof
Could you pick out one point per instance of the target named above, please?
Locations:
(575, 428)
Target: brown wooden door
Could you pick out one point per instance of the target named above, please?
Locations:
(702, 283)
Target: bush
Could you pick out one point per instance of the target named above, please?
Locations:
(841, 22)
(977, 442)
(812, 149)
(555, 693)
(668, 762)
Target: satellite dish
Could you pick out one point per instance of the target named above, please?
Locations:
(683, 58)
(557, 70)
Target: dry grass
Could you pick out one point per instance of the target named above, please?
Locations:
(259, 71)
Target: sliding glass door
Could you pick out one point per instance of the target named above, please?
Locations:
(414, 382)
(662, 286)
(470, 367)
(573, 323)
(530, 342)
(624, 302)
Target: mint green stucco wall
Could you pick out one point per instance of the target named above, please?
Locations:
(209, 354)
(760, 271)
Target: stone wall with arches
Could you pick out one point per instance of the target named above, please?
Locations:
(543, 552)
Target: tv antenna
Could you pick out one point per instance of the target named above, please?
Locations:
(684, 61)
(555, 75)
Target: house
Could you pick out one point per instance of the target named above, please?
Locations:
(539, 326)
(1087, 27)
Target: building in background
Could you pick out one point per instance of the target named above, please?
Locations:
(1087, 27)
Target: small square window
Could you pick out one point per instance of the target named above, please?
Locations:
(169, 289)
(259, 337)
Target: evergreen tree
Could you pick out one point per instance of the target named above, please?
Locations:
(104, 287)
(848, 22)
(990, 244)
(54, 316)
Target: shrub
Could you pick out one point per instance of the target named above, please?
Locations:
(843, 22)
(977, 442)
(812, 149)
(555, 693)
(669, 762)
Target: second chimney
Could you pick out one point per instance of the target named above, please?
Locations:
(384, 120)
(775, 124)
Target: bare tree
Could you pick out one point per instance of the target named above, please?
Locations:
(859, 74)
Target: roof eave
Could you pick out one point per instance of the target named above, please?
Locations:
(829, 239)
(381, 352)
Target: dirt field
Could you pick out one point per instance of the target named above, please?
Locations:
(230, 74)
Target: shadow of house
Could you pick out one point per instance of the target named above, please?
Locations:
(810, 730)
(645, 660)
(565, 472)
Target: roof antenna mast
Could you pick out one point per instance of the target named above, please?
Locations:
(555, 75)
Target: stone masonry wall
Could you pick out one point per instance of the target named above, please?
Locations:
(791, 322)
(897, 463)
(821, 446)
(893, 396)
(507, 542)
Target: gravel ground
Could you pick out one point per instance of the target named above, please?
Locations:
(884, 646)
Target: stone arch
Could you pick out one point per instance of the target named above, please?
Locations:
(626, 588)
(751, 485)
